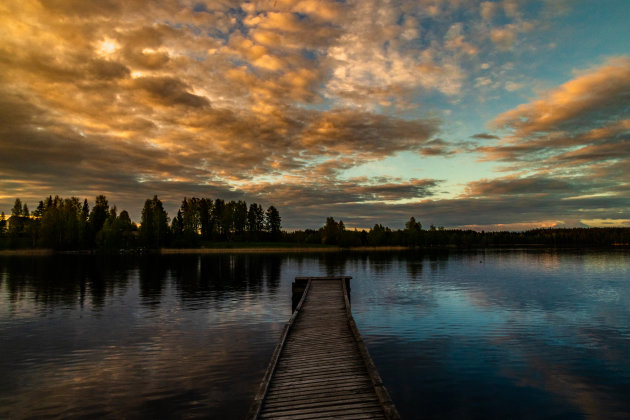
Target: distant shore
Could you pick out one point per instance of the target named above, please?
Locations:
(264, 250)
(285, 249)
(217, 250)
(34, 252)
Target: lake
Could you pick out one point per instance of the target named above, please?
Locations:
(480, 334)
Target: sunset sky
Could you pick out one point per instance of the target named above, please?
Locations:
(490, 115)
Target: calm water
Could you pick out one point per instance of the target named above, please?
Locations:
(506, 334)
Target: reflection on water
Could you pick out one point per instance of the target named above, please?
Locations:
(502, 334)
(136, 337)
(515, 334)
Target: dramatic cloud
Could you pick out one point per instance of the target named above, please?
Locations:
(582, 124)
(287, 101)
(592, 99)
(309, 193)
(377, 58)
(570, 144)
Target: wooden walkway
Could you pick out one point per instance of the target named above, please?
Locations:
(321, 367)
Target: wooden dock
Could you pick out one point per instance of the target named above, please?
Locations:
(321, 367)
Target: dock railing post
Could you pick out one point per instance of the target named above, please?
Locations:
(297, 290)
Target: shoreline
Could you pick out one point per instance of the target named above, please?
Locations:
(274, 250)
(189, 251)
(291, 250)
(33, 252)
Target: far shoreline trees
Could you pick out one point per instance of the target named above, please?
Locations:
(414, 236)
(70, 224)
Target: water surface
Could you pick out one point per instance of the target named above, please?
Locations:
(492, 334)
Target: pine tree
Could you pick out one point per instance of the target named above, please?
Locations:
(154, 224)
(17, 208)
(3, 224)
(272, 221)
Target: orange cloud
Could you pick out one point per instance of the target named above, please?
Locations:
(599, 89)
(581, 126)
(129, 97)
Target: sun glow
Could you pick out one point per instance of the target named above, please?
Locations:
(107, 47)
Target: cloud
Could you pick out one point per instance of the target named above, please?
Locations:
(170, 91)
(568, 147)
(108, 70)
(456, 40)
(488, 10)
(464, 211)
(598, 93)
(133, 98)
(513, 186)
(580, 127)
(309, 193)
(377, 60)
(504, 37)
(77, 8)
(348, 132)
(485, 136)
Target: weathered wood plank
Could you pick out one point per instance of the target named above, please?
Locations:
(321, 381)
(337, 407)
(331, 413)
(318, 398)
(318, 393)
(354, 381)
(310, 369)
(316, 403)
(307, 358)
(323, 390)
(340, 363)
(290, 376)
(284, 377)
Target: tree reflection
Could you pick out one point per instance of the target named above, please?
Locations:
(152, 270)
(68, 280)
(333, 263)
(438, 260)
(222, 275)
(414, 266)
(199, 277)
(64, 280)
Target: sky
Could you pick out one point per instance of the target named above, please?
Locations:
(494, 115)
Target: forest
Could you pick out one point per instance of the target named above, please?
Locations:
(413, 235)
(71, 224)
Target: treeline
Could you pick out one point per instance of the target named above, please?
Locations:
(413, 235)
(67, 223)
(70, 224)
(202, 219)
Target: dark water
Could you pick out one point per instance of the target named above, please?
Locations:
(511, 334)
